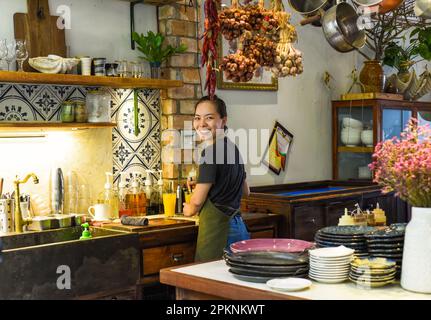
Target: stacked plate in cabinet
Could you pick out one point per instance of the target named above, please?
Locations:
(330, 265)
(387, 242)
(352, 237)
(372, 272)
(259, 260)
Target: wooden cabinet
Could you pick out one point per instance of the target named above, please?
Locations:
(308, 207)
(358, 125)
(158, 258)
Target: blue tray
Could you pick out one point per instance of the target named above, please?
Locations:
(309, 191)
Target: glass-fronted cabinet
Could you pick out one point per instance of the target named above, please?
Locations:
(358, 125)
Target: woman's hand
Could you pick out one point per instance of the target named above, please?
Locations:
(189, 209)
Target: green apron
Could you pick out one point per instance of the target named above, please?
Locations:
(213, 233)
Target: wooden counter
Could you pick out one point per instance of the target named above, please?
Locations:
(212, 280)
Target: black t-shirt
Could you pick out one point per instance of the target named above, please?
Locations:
(222, 165)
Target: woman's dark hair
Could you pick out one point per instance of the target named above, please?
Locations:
(218, 103)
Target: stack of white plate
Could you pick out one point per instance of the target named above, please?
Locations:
(330, 265)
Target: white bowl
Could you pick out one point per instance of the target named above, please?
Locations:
(350, 137)
(352, 123)
(367, 137)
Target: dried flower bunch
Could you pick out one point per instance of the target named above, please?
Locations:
(257, 30)
(404, 165)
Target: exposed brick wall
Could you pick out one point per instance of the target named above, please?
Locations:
(179, 24)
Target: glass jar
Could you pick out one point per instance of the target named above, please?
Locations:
(67, 113)
(80, 111)
(98, 106)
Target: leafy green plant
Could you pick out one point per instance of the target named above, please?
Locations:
(401, 58)
(153, 48)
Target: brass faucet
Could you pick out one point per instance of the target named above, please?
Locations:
(19, 221)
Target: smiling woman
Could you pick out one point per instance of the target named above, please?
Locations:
(220, 185)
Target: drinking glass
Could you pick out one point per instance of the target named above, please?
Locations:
(11, 53)
(3, 51)
(122, 68)
(21, 53)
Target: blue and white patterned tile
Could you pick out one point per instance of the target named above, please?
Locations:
(46, 102)
(16, 109)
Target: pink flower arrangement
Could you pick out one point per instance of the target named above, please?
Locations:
(404, 165)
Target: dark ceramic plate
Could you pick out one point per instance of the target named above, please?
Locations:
(385, 240)
(248, 272)
(346, 231)
(384, 246)
(280, 269)
(340, 238)
(397, 250)
(323, 237)
(385, 232)
(351, 245)
(268, 258)
(257, 279)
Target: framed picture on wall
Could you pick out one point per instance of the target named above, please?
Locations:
(276, 154)
(262, 80)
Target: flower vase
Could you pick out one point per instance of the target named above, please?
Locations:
(155, 70)
(372, 77)
(416, 265)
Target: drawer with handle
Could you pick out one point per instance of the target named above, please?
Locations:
(158, 258)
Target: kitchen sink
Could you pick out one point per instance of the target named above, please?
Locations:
(55, 264)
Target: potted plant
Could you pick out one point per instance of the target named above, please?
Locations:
(403, 165)
(155, 51)
(403, 59)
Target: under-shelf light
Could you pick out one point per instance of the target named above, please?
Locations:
(23, 135)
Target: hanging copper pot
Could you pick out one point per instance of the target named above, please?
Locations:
(389, 5)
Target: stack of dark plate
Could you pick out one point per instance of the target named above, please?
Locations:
(259, 260)
(352, 237)
(387, 242)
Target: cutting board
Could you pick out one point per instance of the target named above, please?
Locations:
(157, 223)
(40, 31)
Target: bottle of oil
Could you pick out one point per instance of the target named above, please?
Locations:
(122, 193)
(136, 199)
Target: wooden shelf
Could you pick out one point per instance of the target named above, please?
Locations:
(90, 81)
(53, 126)
(356, 149)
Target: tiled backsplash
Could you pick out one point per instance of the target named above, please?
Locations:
(27, 102)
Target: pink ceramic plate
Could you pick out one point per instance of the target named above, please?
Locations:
(278, 245)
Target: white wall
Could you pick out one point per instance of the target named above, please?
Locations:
(301, 104)
(99, 28)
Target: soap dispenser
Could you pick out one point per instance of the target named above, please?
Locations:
(110, 197)
(150, 194)
(136, 199)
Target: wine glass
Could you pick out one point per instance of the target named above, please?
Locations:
(11, 53)
(3, 51)
(21, 53)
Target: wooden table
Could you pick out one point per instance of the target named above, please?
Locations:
(213, 281)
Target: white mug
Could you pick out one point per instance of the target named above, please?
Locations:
(100, 212)
(86, 66)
